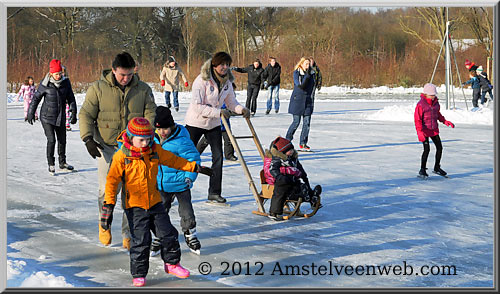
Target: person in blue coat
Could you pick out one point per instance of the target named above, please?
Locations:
(301, 102)
(476, 89)
(174, 183)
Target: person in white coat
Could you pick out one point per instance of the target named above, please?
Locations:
(211, 89)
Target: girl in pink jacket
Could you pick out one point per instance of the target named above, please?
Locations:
(27, 90)
(426, 117)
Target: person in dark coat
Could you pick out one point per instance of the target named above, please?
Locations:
(255, 79)
(301, 102)
(272, 76)
(485, 85)
(57, 91)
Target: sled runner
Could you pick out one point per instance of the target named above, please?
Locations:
(291, 207)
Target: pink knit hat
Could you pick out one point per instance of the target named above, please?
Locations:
(430, 89)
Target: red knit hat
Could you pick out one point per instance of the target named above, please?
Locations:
(469, 64)
(55, 66)
(139, 127)
(282, 144)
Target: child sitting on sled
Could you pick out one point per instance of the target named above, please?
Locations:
(283, 170)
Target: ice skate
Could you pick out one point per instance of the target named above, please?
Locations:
(423, 174)
(192, 241)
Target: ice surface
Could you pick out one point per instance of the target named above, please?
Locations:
(375, 209)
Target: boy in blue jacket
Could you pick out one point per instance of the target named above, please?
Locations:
(174, 183)
(476, 89)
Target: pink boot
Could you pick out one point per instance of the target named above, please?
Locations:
(176, 270)
(139, 282)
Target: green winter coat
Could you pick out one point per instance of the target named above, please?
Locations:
(107, 109)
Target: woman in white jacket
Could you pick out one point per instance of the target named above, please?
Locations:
(211, 89)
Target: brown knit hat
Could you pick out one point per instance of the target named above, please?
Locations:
(221, 57)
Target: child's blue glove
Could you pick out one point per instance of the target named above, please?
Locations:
(189, 183)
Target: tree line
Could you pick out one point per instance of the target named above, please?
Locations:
(353, 47)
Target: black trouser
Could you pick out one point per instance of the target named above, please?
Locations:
(214, 138)
(186, 211)
(51, 132)
(282, 190)
(439, 151)
(476, 94)
(228, 146)
(252, 93)
(140, 221)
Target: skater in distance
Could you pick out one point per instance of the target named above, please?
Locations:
(136, 164)
(427, 114)
(56, 91)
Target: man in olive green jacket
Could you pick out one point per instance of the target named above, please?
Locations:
(113, 100)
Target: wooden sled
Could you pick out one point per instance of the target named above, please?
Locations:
(291, 207)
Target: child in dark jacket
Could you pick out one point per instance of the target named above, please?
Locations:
(290, 178)
(485, 84)
(135, 165)
(476, 89)
(426, 116)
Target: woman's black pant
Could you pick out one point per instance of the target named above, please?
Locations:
(252, 93)
(439, 151)
(214, 138)
(51, 132)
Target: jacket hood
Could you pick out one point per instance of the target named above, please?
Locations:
(206, 74)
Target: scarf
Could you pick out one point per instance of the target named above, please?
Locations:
(222, 79)
(428, 100)
(56, 83)
(131, 151)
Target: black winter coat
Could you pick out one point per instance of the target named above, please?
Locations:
(272, 74)
(53, 110)
(255, 75)
(484, 82)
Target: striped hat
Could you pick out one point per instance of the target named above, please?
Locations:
(282, 144)
(140, 127)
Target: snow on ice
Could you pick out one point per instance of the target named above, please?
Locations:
(375, 210)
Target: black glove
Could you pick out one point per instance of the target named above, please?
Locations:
(107, 216)
(92, 147)
(31, 118)
(225, 112)
(203, 170)
(72, 118)
(245, 112)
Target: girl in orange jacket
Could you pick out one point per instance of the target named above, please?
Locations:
(135, 164)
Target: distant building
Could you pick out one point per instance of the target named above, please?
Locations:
(459, 45)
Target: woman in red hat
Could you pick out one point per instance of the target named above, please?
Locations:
(57, 91)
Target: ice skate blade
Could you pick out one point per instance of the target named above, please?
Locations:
(444, 176)
(197, 251)
(215, 203)
(422, 177)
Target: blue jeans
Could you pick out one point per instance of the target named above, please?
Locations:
(483, 95)
(272, 89)
(176, 98)
(304, 135)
